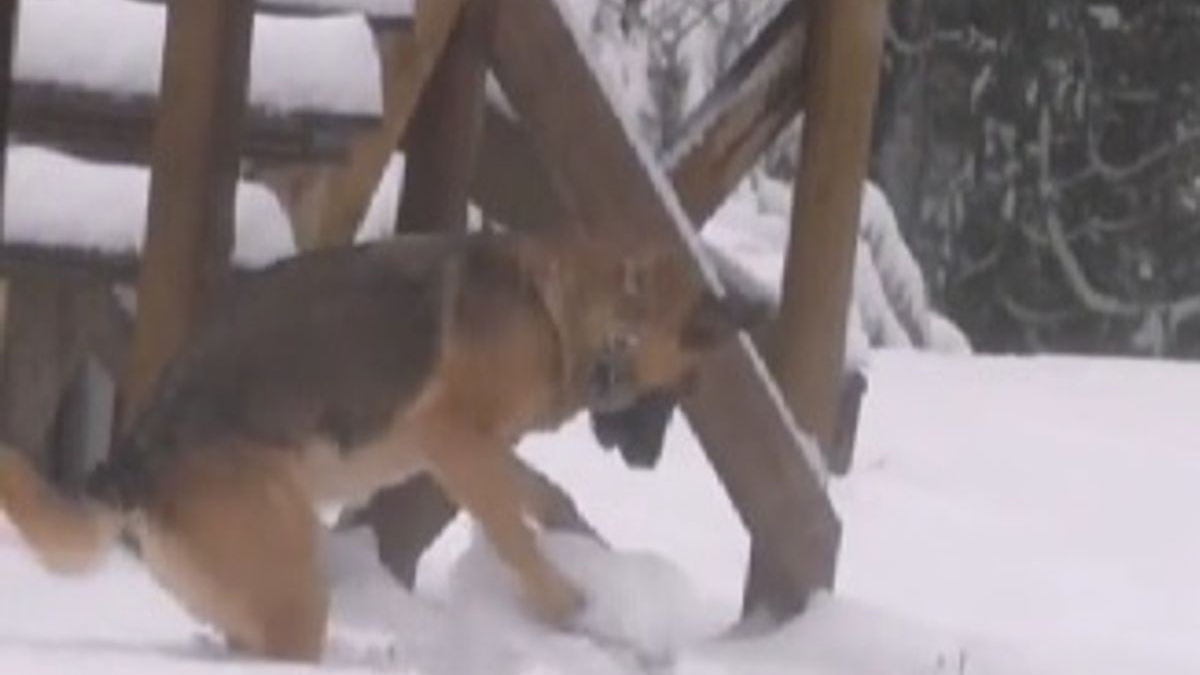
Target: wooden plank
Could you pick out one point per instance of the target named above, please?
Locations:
(8, 25)
(843, 75)
(373, 10)
(777, 483)
(42, 350)
(444, 134)
(750, 104)
(105, 127)
(808, 341)
(441, 150)
(194, 174)
(341, 196)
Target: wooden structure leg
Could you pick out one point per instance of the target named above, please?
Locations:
(344, 192)
(775, 483)
(42, 351)
(441, 147)
(808, 343)
(194, 174)
(8, 27)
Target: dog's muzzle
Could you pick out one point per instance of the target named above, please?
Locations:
(611, 381)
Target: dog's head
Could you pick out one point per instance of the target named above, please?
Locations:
(642, 323)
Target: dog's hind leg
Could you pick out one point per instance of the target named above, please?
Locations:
(235, 538)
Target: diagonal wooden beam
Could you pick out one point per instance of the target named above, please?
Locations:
(749, 106)
(777, 482)
(721, 140)
(194, 171)
(340, 195)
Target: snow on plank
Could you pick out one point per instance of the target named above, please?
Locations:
(322, 64)
(55, 201)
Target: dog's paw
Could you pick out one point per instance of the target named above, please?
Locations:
(557, 601)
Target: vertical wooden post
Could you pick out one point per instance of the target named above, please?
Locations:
(808, 345)
(8, 31)
(441, 146)
(345, 192)
(194, 176)
(842, 79)
(444, 133)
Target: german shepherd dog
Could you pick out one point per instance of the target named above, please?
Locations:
(337, 373)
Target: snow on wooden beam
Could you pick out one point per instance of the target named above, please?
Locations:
(340, 197)
(118, 128)
(776, 480)
(194, 174)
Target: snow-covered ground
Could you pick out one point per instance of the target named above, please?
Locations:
(1005, 516)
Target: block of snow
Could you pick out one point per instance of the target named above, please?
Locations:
(635, 601)
(326, 64)
(52, 199)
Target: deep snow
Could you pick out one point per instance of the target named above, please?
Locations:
(1007, 516)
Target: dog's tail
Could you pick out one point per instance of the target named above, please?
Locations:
(70, 536)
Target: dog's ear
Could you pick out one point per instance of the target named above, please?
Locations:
(714, 320)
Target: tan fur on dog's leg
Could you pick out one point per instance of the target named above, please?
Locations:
(484, 478)
(235, 538)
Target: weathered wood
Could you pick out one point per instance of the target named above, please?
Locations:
(372, 10)
(843, 66)
(194, 173)
(441, 149)
(8, 25)
(776, 483)
(111, 128)
(750, 105)
(720, 141)
(343, 193)
(808, 345)
(511, 183)
(444, 134)
(42, 350)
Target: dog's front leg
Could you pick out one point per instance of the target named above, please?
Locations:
(552, 506)
(485, 478)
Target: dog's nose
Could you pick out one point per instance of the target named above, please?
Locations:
(604, 378)
(609, 382)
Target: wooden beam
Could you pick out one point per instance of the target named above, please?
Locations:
(116, 128)
(843, 75)
(444, 134)
(442, 141)
(749, 106)
(341, 196)
(721, 140)
(194, 174)
(511, 183)
(776, 483)
(8, 26)
(42, 350)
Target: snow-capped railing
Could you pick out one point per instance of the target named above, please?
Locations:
(315, 82)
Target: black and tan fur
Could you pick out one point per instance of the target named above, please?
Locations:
(338, 373)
